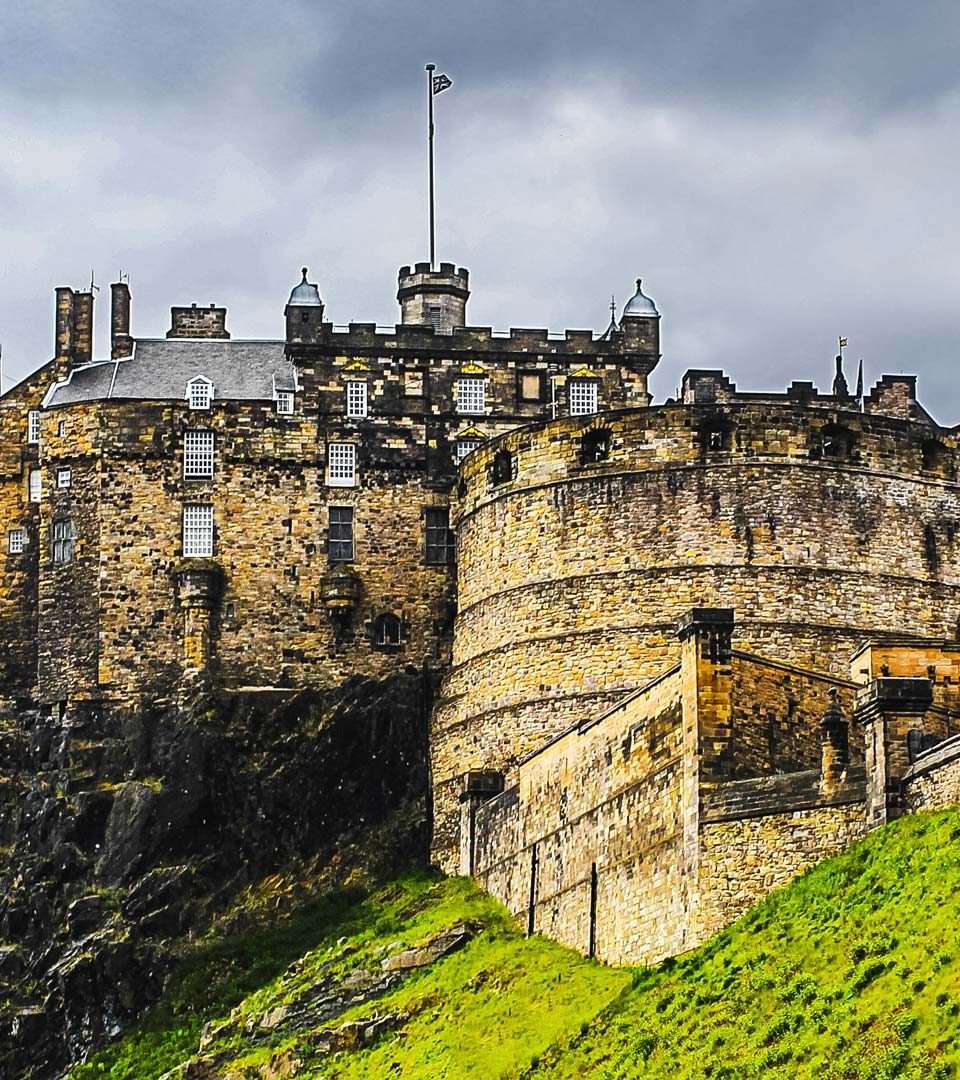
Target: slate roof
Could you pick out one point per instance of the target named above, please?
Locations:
(160, 369)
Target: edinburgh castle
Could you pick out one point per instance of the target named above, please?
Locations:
(672, 653)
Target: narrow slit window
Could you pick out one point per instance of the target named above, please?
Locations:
(35, 485)
(472, 396)
(341, 465)
(198, 455)
(340, 534)
(357, 400)
(197, 531)
(434, 315)
(583, 397)
(33, 426)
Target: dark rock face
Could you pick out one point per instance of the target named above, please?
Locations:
(120, 832)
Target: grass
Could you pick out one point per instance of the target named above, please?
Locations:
(850, 973)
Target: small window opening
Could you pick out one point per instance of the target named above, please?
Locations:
(285, 402)
(198, 455)
(63, 536)
(198, 531)
(340, 533)
(934, 457)
(583, 397)
(434, 315)
(199, 393)
(387, 632)
(35, 485)
(16, 541)
(715, 437)
(440, 544)
(64, 478)
(304, 316)
(595, 446)
(837, 443)
(356, 400)
(33, 426)
(341, 465)
(502, 467)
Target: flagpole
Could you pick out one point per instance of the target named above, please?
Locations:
(430, 70)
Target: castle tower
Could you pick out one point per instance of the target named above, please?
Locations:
(304, 313)
(436, 298)
(640, 325)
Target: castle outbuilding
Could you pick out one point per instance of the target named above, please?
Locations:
(678, 651)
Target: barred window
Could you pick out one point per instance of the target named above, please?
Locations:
(285, 402)
(471, 396)
(340, 534)
(434, 315)
(583, 397)
(341, 464)
(64, 478)
(440, 544)
(198, 455)
(63, 536)
(464, 447)
(199, 393)
(33, 426)
(16, 541)
(35, 485)
(197, 531)
(357, 399)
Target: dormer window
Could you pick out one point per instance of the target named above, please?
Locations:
(199, 393)
(285, 403)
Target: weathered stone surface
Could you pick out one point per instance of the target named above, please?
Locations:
(439, 946)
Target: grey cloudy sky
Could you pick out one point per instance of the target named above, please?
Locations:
(779, 173)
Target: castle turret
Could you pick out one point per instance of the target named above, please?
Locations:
(640, 325)
(435, 298)
(304, 313)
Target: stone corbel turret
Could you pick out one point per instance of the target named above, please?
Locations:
(834, 747)
(340, 594)
(199, 589)
(889, 709)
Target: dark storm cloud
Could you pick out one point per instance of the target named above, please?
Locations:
(779, 172)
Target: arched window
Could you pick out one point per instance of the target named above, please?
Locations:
(594, 446)
(716, 436)
(387, 632)
(502, 467)
(836, 443)
(935, 457)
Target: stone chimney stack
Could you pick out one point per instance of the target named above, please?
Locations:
(121, 343)
(63, 348)
(197, 322)
(82, 327)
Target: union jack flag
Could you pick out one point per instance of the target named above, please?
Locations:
(441, 83)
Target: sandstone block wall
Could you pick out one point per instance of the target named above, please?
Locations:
(933, 782)
(588, 847)
(572, 575)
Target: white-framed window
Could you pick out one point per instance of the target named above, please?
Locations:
(466, 446)
(357, 400)
(198, 455)
(16, 541)
(472, 396)
(341, 464)
(63, 537)
(197, 531)
(33, 426)
(199, 393)
(61, 429)
(285, 402)
(583, 397)
(64, 478)
(35, 485)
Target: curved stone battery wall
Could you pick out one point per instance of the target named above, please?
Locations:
(819, 527)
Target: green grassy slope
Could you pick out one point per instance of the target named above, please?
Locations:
(851, 973)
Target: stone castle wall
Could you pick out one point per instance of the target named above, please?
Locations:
(572, 576)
